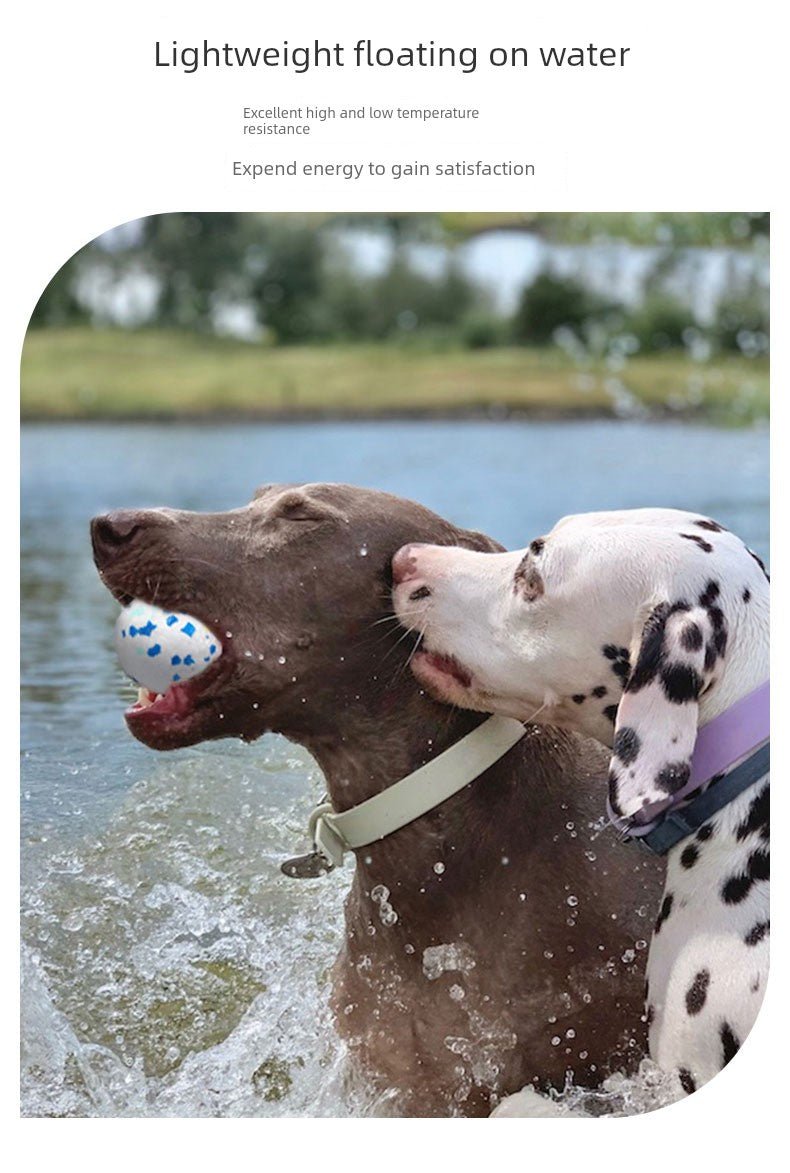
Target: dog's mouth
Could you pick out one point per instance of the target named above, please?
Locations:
(189, 710)
(444, 676)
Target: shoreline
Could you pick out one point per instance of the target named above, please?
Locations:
(482, 413)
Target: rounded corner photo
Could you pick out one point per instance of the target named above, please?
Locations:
(395, 628)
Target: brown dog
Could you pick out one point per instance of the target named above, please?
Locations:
(511, 958)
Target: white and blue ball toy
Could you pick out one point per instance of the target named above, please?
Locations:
(158, 648)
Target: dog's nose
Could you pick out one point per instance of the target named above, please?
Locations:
(111, 532)
(404, 564)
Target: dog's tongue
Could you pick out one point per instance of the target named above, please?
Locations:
(159, 648)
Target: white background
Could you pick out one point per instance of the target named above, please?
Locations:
(99, 136)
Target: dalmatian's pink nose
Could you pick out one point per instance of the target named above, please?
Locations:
(404, 564)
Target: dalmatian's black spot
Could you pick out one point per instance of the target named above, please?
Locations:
(730, 1044)
(536, 545)
(710, 594)
(758, 818)
(689, 856)
(527, 581)
(720, 641)
(755, 986)
(703, 545)
(610, 651)
(599, 690)
(664, 911)
(672, 777)
(610, 712)
(681, 682)
(578, 698)
(757, 933)
(711, 525)
(705, 832)
(760, 865)
(650, 1015)
(697, 992)
(759, 562)
(711, 656)
(686, 1080)
(747, 594)
(651, 651)
(691, 637)
(626, 745)
(738, 887)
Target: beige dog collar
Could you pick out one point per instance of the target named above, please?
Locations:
(334, 834)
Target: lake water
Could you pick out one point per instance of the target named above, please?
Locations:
(169, 968)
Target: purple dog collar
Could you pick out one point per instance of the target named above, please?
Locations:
(728, 738)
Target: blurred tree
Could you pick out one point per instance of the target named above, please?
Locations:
(660, 322)
(550, 302)
(285, 284)
(60, 304)
(196, 257)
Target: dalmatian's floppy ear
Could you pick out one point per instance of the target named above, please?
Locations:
(676, 650)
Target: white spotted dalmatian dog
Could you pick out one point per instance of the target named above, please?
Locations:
(639, 628)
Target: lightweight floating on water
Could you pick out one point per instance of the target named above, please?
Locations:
(159, 648)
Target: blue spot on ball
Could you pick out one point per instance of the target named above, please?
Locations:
(176, 676)
(155, 650)
(175, 660)
(188, 660)
(212, 649)
(171, 619)
(149, 627)
(188, 629)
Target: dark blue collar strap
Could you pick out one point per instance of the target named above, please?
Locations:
(679, 824)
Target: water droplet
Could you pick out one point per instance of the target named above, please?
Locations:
(570, 1034)
(438, 868)
(363, 551)
(556, 1040)
(641, 944)
(457, 993)
(281, 659)
(572, 901)
(505, 860)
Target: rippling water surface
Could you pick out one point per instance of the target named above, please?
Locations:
(168, 967)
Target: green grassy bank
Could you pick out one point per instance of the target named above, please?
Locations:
(81, 373)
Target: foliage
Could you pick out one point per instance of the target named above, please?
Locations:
(660, 323)
(550, 303)
(294, 279)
